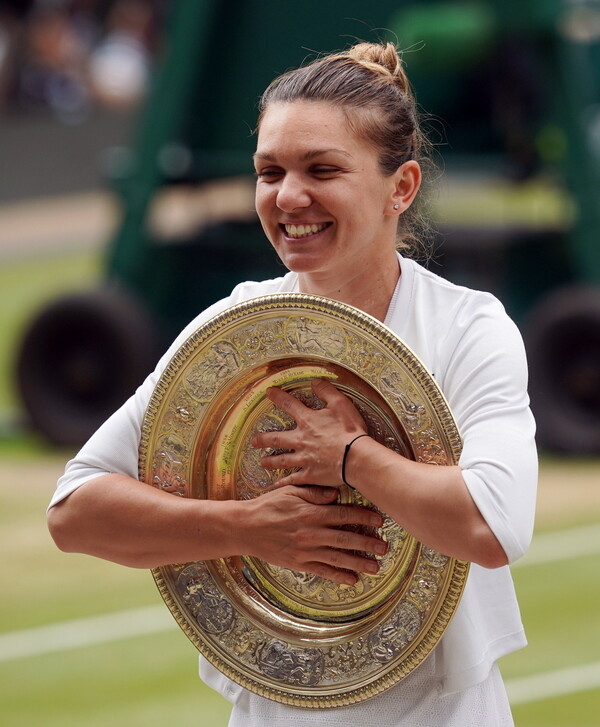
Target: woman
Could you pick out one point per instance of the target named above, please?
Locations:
(337, 163)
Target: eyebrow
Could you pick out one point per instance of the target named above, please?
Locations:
(307, 156)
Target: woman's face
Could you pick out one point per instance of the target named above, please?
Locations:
(321, 198)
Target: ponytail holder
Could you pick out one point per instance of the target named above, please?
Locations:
(345, 457)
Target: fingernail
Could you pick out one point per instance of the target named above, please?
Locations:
(328, 491)
(372, 567)
(381, 548)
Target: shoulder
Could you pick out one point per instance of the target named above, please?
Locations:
(242, 292)
(254, 289)
(455, 312)
(455, 329)
(446, 299)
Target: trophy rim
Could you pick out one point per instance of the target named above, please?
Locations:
(442, 438)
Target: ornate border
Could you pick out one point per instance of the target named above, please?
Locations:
(437, 442)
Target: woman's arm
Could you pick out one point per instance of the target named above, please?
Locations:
(432, 503)
(120, 519)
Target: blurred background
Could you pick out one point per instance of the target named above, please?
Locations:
(126, 206)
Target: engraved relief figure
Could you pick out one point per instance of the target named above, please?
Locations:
(184, 415)
(169, 468)
(438, 560)
(315, 588)
(280, 662)
(221, 362)
(350, 658)
(394, 386)
(423, 589)
(205, 602)
(309, 336)
(388, 641)
(259, 341)
(428, 448)
(252, 478)
(310, 399)
(367, 359)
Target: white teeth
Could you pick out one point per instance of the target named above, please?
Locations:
(297, 231)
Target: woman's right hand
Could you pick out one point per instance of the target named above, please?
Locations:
(303, 528)
(117, 518)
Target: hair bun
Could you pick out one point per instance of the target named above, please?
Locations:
(382, 58)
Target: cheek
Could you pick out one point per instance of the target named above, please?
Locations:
(263, 202)
(262, 206)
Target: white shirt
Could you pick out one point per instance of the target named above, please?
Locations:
(475, 352)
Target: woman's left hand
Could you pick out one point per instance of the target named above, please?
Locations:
(317, 443)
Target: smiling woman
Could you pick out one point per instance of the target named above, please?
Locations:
(338, 164)
(326, 206)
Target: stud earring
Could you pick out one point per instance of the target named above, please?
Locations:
(396, 206)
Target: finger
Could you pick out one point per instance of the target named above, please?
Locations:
(279, 439)
(287, 402)
(336, 575)
(335, 399)
(344, 561)
(299, 479)
(326, 391)
(339, 515)
(284, 461)
(349, 540)
(315, 494)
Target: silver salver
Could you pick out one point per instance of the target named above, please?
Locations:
(290, 636)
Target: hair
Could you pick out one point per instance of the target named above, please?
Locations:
(369, 84)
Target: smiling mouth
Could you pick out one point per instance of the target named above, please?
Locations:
(298, 231)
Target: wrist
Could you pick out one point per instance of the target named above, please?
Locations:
(219, 528)
(239, 526)
(346, 457)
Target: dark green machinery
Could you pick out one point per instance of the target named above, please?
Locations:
(513, 94)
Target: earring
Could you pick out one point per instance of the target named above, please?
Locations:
(396, 206)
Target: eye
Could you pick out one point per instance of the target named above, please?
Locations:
(269, 174)
(325, 171)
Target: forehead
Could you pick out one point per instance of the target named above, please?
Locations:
(304, 126)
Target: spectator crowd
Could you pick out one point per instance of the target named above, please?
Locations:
(67, 58)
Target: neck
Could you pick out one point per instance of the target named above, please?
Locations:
(369, 288)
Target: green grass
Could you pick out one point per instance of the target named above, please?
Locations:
(558, 600)
(135, 683)
(576, 710)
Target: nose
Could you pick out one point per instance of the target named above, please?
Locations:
(293, 193)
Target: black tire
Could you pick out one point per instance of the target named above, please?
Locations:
(80, 359)
(562, 337)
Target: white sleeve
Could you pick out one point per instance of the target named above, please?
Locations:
(114, 446)
(485, 382)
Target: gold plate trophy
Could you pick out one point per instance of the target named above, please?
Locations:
(290, 636)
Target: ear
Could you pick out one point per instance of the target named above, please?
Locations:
(406, 181)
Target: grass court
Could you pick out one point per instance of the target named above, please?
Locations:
(57, 678)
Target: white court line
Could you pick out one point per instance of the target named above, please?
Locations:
(546, 548)
(553, 683)
(562, 545)
(85, 632)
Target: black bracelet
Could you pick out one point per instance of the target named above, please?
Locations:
(346, 450)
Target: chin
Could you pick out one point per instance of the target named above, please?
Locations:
(301, 266)
(302, 262)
